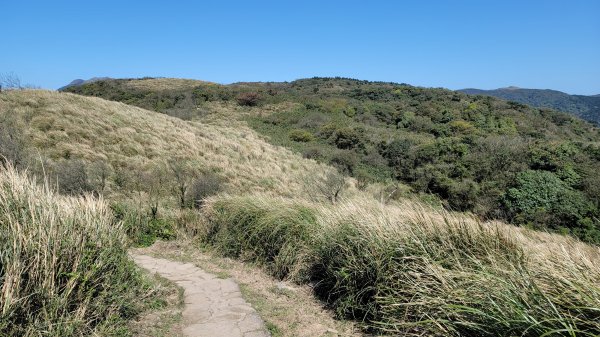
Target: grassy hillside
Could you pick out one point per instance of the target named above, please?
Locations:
(585, 107)
(498, 159)
(393, 264)
(147, 163)
(134, 142)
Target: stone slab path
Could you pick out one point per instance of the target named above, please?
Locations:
(213, 307)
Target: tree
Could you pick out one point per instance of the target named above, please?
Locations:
(204, 186)
(155, 180)
(10, 81)
(332, 186)
(248, 99)
(183, 174)
(99, 172)
(541, 197)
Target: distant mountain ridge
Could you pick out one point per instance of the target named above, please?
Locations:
(585, 107)
(78, 82)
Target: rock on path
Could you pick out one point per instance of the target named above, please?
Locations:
(213, 307)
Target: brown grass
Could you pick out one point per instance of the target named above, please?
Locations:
(160, 84)
(64, 269)
(65, 125)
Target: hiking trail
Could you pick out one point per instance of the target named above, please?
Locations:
(213, 307)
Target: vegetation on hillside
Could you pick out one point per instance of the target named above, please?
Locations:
(153, 168)
(585, 107)
(393, 264)
(64, 269)
(408, 270)
(498, 159)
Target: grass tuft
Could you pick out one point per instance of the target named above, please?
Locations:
(415, 271)
(64, 269)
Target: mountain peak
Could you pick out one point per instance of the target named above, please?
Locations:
(78, 82)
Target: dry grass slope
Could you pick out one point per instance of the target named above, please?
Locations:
(165, 83)
(64, 125)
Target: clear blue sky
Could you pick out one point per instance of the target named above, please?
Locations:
(452, 44)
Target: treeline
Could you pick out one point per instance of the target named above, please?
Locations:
(497, 159)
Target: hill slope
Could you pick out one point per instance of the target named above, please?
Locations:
(585, 107)
(475, 153)
(396, 266)
(132, 140)
(78, 82)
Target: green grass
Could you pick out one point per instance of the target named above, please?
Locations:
(414, 272)
(276, 236)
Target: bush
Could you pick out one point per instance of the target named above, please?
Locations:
(312, 153)
(338, 106)
(347, 138)
(204, 186)
(142, 228)
(248, 98)
(541, 195)
(12, 145)
(71, 177)
(344, 160)
(64, 269)
(299, 135)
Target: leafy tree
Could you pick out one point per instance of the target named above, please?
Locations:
(542, 195)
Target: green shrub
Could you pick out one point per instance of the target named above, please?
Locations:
(143, 228)
(299, 135)
(347, 138)
(338, 106)
(542, 195)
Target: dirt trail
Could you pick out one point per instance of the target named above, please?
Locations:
(213, 307)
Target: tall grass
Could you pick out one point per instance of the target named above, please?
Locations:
(64, 269)
(414, 271)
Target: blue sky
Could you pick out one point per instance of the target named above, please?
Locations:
(452, 44)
